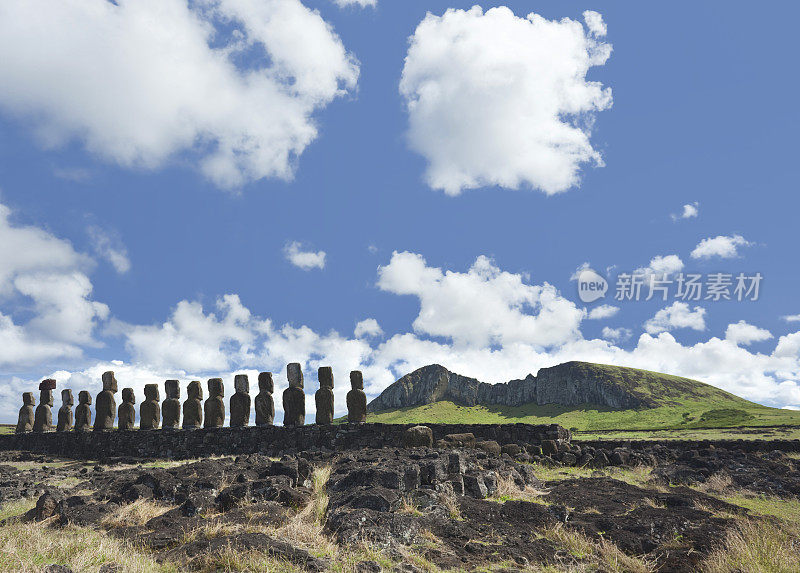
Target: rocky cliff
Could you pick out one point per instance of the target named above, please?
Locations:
(568, 384)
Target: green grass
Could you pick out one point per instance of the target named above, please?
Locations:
(6, 429)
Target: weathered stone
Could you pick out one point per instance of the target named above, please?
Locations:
(294, 399)
(43, 419)
(105, 409)
(215, 405)
(324, 396)
(65, 417)
(356, 399)
(474, 486)
(417, 437)
(26, 414)
(193, 406)
(83, 412)
(127, 411)
(265, 406)
(463, 440)
(491, 447)
(171, 406)
(240, 401)
(150, 410)
(549, 447)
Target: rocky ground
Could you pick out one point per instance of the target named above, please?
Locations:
(459, 506)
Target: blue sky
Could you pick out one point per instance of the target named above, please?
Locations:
(452, 208)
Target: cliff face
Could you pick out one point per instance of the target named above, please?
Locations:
(568, 384)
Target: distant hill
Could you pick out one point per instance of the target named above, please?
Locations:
(580, 395)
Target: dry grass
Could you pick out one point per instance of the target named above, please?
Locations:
(409, 506)
(718, 483)
(15, 508)
(594, 555)
(138, 512)
(507, 490)
(754, 546)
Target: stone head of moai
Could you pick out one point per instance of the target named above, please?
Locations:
(46, 388)
(241, 384)
(356, 380)
(325, 377)
(66, 397)
(28, 399)
(295, 375)
(109, 382)
(195, 390)
(265, 383)
(26, 414)
(324, 396)
(356, 399)
(216, 389)
(151, 392)
(128, 396)
(84, 397)
(173, 389)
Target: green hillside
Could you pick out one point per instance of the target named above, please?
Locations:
(674, 403)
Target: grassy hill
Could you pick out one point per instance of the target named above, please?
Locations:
(674, 403)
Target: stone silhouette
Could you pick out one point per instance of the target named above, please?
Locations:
(83, 412)
(150, 410)
(127, 411)
(240, 401)
(294, 399)
(215, 405)
(171, 408)
(193, 406)
(324, 396)
(356, 399)
(105, 409)
(265, 406)
(65, 417)
(43, 420)
(26, 414)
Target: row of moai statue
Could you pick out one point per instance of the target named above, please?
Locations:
(211, 414)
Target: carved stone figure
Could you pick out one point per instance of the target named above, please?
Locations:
(324, 396)
(294, 399)
(150, 410)
(240, 401)
(215, 405)
(26, 414)
(105, 409)
(83, 412)
(127, 411)
(43, 419)
(265, 406)
(356, 399)
(65, 417)
(193, 406)
(171, 407)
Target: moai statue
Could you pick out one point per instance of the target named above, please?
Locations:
(294, 399)
(150, 410)
(83, 412)
(127, 410)
(26, 414)
(171, 407)
(356, 399)
(193, 406)
(215, 405)
(324, 396)
(240, 401)
(43, 420)
(265, 407)
(105, 409)
(65, 418)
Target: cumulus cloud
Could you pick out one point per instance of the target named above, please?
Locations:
(140, 82)
(513, 113)
(602, 311)
(791, 318)
(744, 333)
(660, 266)
(616, 335)
(722, 246)
(304, 259)
(676, 315)
(358, 3)
(368, 328)
(46, 310)
(690, 211)
(108, 246)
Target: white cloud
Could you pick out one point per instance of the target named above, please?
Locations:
(690, 210)
(616, 335)
(602, 311)
(108, 246)
(661, 265)
(791, 318)
(744, 333)
(140, 82)
(676, 315)
(359, 3)
(721, 246)
(594, 21)
(483, 306)
(303, 259)
(513, 112)
(368, 328)
(46, 311)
